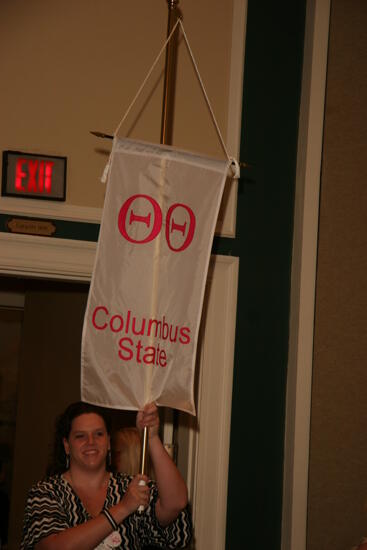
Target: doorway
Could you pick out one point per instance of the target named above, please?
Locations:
(11, 321)
(41, 373)
(41, 326)
(48, 379)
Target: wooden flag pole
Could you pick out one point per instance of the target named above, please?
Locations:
(166, 139)
(169, 75)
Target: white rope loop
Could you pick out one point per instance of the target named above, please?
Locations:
(204, 91)
(234, 164)
(146, 79)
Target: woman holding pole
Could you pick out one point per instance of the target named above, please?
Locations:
(84, 506)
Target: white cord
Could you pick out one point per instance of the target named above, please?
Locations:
(204, 91)
(234, 164)
(146, 79)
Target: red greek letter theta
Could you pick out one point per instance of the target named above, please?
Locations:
(187, 229)
(136, 218)
(171, 227)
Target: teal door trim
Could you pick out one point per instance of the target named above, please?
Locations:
(271, 104)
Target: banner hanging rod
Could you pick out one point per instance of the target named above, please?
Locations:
(108, 136)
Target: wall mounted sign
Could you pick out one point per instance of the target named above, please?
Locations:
(34, 176)
(29, 226)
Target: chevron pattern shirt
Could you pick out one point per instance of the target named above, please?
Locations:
(53, 506)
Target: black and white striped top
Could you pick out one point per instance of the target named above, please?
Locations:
(52, 506)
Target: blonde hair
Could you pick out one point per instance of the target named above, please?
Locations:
(126, 447)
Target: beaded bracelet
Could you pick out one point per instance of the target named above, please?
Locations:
(107, 514)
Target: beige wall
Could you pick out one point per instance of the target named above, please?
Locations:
(337, 513)
(74, 66)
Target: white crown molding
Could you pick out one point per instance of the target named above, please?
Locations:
(44, 257)
(49, 209)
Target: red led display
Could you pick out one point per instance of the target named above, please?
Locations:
(34, 176)
(37, 178)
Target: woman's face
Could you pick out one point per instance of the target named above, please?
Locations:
(88, 442)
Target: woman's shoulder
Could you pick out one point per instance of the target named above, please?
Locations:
(50, 484)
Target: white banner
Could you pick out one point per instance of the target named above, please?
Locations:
(145, 301)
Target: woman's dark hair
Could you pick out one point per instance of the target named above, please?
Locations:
(62, 430)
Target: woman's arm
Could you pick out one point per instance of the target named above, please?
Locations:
(85, 536)
(172, 488)
(89, 534)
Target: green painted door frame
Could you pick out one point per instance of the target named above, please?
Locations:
(271, 104)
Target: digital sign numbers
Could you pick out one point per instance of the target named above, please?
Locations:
(34, 176)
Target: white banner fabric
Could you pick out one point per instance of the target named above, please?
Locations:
(143, 313)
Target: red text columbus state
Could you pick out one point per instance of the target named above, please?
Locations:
(151, 328)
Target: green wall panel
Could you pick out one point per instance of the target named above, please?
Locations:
(272, 88)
